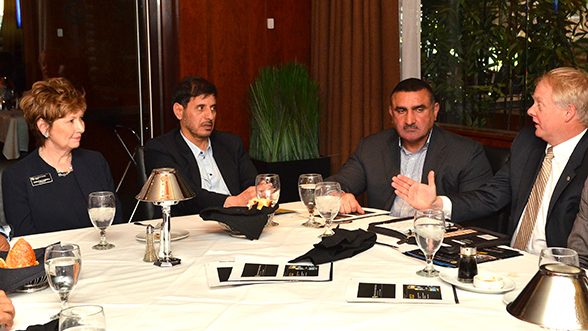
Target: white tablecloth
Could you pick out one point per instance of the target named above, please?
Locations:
(13, 133)
(140, 296)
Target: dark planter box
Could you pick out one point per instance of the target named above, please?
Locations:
(289, 172)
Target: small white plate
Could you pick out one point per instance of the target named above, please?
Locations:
(175, 235)
(451, 278)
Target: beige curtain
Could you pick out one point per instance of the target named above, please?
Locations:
(355, 58)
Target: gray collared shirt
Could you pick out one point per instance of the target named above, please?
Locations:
(210, 176)
(411, 165)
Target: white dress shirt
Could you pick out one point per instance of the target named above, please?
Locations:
(561, 156)
(211, 178)
(411, 165)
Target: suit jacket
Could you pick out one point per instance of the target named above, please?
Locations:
(35, 207)
(513, 183)
(460, 164)
(578, 239)
(171, 150)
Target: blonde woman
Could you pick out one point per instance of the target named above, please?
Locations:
(48, 189)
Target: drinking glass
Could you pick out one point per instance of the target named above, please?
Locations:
(102, 207)
(87, 317)
(429, 228)
(306, 186)
(267, 186)
(328, 201)
(63, 263)
(559, 255)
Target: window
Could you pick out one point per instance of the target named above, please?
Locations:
(482, 57)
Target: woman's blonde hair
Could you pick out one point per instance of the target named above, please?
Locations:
(50, 100)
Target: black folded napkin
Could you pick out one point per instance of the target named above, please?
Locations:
(341, 245)
(241, 220)
(52, 325)
(12, 279)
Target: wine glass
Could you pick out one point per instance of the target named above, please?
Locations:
(102, 207)
(559, 255)
(429, 228)
(267, 186)
(63, 263)
(306, 186)
(328, 201)
(86, 317)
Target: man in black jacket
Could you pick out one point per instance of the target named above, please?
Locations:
(413, 148)
(214, 163)
(560, 118)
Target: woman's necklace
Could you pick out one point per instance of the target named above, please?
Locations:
(61, 172)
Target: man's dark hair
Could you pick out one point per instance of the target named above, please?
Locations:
(413, 85)
(190, 87)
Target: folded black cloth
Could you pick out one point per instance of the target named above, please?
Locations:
(52, 325)
(341, 245)
(13, 279)
(241, 220)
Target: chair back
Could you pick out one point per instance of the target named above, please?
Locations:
(143, 210)
(497, 157)
(498, 221)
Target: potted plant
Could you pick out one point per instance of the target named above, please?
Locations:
(285, 115)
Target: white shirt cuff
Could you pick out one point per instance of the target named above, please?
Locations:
(446, 206)
(5, 230)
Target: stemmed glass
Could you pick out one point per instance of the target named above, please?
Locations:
(429, 228)
(267, 186)
(328, 202)
(86, 317)
(63, 263)
(306, 186)
(102, 207)
(559, 255)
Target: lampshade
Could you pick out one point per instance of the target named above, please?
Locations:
(556, 297)
(165, 185)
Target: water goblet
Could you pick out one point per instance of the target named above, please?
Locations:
(267, 186)
(429, 228)
(101, 208)
(306, 186)
(328, 201)
(63, 263)
(559, 255)
(86, 317)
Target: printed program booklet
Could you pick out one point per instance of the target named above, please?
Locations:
(400, 291)
(252, 270)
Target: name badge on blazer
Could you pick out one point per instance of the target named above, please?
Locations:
(39, 180)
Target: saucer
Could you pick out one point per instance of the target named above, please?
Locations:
(175, 235)
(231, 232)
(451, 278)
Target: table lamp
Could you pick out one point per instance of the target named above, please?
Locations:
(165, 187)
(555, 298)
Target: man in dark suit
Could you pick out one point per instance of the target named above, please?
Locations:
(578, 239)
(413, 148)
(560, 118)
(214, 163)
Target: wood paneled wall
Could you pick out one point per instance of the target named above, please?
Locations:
(227, 42)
